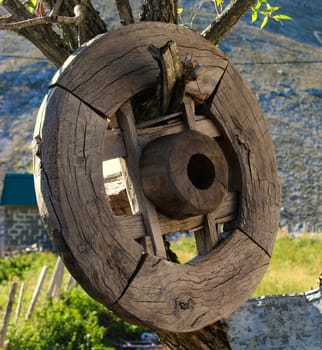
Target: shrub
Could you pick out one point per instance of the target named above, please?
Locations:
(20, 265)
(13, 267)
(75, 322)
(70, 323)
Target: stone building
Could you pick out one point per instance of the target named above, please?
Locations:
(22, 224)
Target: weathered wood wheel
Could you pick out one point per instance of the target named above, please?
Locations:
(210, 166)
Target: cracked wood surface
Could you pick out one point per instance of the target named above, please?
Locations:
(109, 72)
(246, 128)
(95, 245)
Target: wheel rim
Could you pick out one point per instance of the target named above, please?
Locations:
(71, 129)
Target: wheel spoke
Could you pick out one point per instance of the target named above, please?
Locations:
(131, 173)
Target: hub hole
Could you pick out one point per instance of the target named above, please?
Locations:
(201, 171)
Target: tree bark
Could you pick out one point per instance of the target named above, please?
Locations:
(43, 37)
(213, 337)
(125, 11)
(55, 47)
(223, 24)
(160, 11)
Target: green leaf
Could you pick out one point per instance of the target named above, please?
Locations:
(254, 17)
(258, 5)
(265, 19)
(31, 4)
(179, 10)
(269, 11)
(274, 9)
(278, 17)
(219, 2)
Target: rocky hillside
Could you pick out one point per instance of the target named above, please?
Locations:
(306, 24)
(285, 75)
(286, 78)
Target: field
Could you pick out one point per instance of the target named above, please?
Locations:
(295, 265)
(294, 268)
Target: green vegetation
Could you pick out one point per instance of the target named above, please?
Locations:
(77, 322)
(73, 322)
(25, 267)
(294, 267)
(18, 268)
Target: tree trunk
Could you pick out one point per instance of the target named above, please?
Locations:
(160, 11)
(213, 337)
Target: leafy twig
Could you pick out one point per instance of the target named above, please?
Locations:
(52, 18)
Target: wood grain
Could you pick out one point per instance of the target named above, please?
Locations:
(109, 72)
(114, 146)
(226, 212)
(139, 203)
(184, 174)
(71, 196)
(247, 131)
(184, 298)
(100, 250)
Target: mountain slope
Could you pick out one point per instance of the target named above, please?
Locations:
(285, 75)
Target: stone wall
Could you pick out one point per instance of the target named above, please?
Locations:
(22, 228)
(289, 322)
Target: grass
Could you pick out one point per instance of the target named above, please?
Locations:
(29, 277)
(295, 265)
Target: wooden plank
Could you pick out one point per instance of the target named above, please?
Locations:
(152, 122)
(6, 319)
(56, 279)
(139, 203)
(207, 238)
(113, 145)
(172, 225)
(227, 211)
(189, 107)
(19, 303)
(147, 135)
(205, 126)
(36, 292)
(71, 282)
(133, 225)
(171, 69)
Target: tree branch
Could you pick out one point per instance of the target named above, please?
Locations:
(57, 47)
(56, 8)
(226, 20)
(125, 11)
(48, 42)
(79, 17)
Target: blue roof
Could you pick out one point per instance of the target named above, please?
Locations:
(18, 189)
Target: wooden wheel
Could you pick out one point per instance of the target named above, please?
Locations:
(211, 165)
